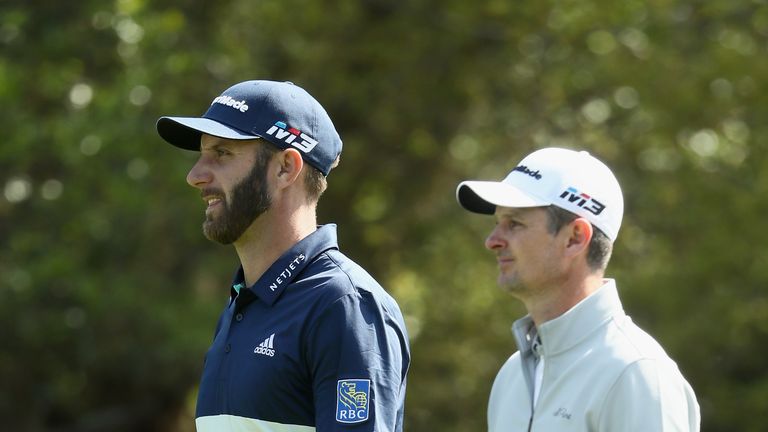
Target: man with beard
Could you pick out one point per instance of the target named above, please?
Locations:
(308, 340)
(582, 364)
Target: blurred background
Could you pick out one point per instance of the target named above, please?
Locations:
(109, 293)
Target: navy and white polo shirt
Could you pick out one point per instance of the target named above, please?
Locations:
(316, 344)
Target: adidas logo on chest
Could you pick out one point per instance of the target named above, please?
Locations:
(267, 347)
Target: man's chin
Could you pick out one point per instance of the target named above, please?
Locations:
(211, 232)
(509, 285)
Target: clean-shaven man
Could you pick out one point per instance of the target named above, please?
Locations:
(581, 364)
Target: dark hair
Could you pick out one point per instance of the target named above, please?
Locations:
(600, 247)
(315, 183)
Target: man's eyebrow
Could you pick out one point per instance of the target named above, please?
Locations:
(214, 145)
(510, 212)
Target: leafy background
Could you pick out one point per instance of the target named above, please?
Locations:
(109, 293)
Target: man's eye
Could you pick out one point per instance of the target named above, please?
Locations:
(222, 152)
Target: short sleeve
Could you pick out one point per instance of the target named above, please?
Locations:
(357, 357)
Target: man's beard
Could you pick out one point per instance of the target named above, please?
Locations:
(248, 200)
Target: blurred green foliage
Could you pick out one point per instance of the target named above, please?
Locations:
(109, 293)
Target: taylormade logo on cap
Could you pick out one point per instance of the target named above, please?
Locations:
(228, 101)
(525, 170)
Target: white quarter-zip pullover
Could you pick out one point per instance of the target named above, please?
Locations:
(600, 372)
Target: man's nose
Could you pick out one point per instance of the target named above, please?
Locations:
(494, 240)
(199, 175)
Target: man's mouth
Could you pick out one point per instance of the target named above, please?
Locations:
(212, 201)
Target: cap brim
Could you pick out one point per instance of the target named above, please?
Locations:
(484, 196)
(185, 132)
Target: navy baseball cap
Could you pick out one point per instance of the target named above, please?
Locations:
(279, 112)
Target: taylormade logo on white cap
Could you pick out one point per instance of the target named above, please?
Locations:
(575, 181)
(525, 170)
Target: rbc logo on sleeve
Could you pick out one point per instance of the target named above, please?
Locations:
(352, 399)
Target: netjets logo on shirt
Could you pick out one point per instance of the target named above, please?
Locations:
(234, 103)
(267, 347)
(292, 136)
(287, 272)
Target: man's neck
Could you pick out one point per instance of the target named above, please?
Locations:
(558, 300)
(269, 237)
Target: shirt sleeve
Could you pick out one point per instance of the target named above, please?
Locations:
(650, 396)
(355, 353)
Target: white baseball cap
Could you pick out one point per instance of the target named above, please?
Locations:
(572, 180)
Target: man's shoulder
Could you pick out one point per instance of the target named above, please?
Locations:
(629, 343)
(344, 272)
(334, 275)
(511, 366)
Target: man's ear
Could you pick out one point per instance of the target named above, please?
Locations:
(580, 233)
(290, 165)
